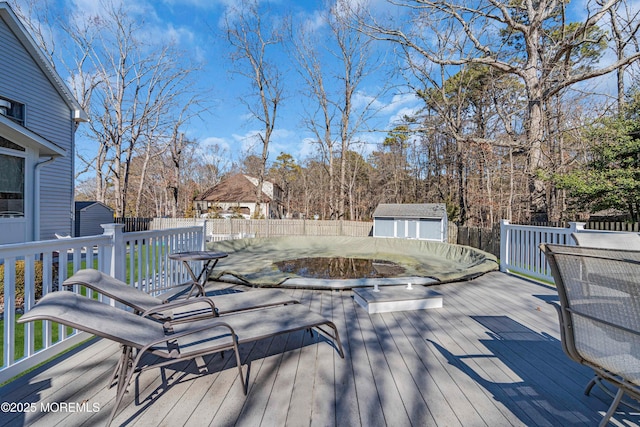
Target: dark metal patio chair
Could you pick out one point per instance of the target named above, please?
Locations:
(599, 312)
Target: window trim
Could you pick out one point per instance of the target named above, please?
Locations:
(23, 155)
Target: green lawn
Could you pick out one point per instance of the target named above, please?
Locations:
(159, 253)
(19, 329)
(19, 339)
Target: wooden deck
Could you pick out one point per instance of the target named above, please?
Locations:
(491, 356)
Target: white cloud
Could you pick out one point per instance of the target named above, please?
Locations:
(399, 116)
(314, 21)
(213, 141)
(400, 101)
(307, 148)
(246, 143)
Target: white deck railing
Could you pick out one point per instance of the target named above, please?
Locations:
(519, 247)
(139, 259)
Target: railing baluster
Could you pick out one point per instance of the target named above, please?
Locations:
(29, 300)
(9, 310)
(47, 280)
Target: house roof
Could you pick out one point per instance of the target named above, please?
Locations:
(236, 188)
(411, 210)
(13, 22)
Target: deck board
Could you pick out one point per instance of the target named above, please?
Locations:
(490, 356)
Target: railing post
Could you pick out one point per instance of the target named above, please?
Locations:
(575, 227)
(117, 262)
(204, 236)
(504, 244)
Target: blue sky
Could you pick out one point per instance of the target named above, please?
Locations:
(197, 25)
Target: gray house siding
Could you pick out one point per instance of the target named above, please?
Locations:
(48, 115)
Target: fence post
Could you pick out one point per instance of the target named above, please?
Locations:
(504, 244)
(117, 256)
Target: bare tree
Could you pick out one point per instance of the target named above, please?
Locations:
(342, 58)
(252, 41)
(625, 25)
(136, 89)
(530, 40)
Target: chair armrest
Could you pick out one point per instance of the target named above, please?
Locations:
(203, 313)
(172, 337)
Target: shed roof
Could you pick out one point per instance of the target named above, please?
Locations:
(411, 210)
(86, 204)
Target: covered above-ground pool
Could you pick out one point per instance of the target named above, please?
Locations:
(255, 261)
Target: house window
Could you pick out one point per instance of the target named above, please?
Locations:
(13, 110)
(11, 185)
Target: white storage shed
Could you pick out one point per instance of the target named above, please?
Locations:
(425, 221)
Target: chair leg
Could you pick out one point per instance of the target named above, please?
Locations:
(245, 381)
(124, 365)
(336, 338)
(590, 385)
(124, 378)
(125, 357)
(612, 408)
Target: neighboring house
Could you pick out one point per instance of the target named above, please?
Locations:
(426, 221)
(89, 216)
(237, 194)
(38, 120)
(608, 215)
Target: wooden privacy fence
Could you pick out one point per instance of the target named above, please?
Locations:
(594, 225)
(483, 238)
(612, 226)
(134, 224)
(486, 239)
(268, 227)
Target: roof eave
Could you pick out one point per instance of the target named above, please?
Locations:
(23, 136)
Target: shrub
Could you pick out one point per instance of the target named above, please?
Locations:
(20, 279)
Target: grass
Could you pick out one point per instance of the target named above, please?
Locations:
(38, 332)
(19, 328)
(19, 338)
(159, 254)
